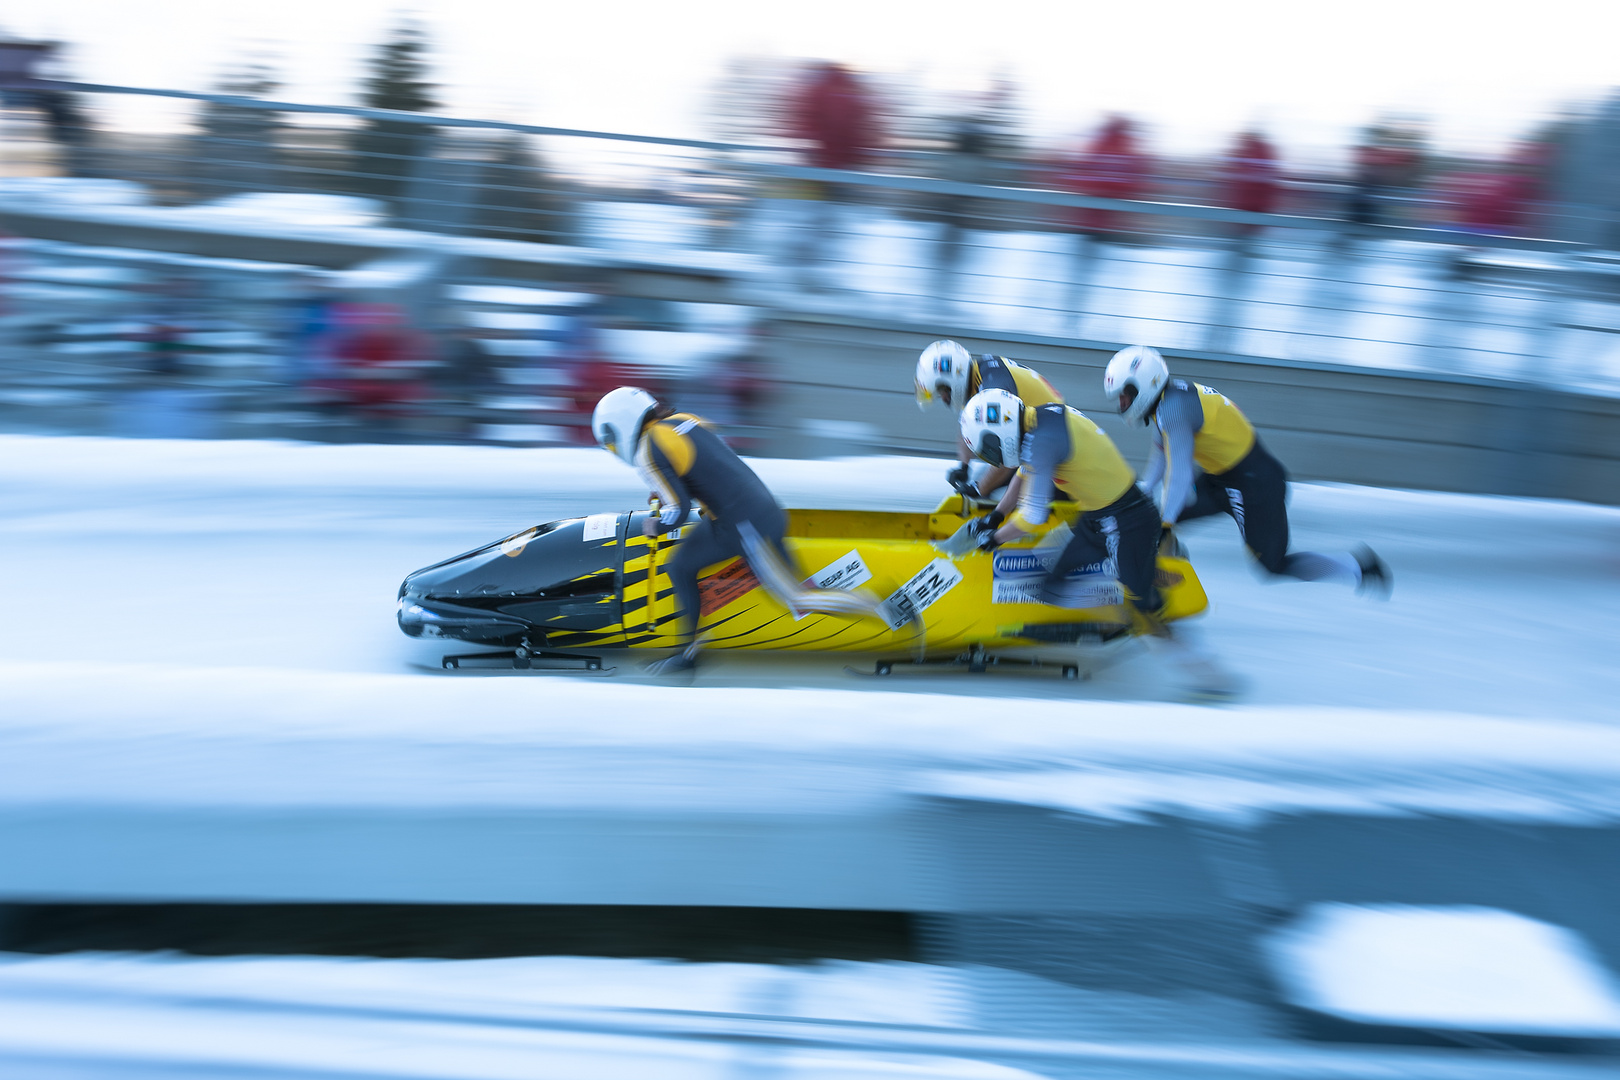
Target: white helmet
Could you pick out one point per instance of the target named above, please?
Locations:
(617, 421)
(1134, 381)
(942, 374)
(993, 426)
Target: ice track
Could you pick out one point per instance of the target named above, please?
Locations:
(277, 556)
(201, 653)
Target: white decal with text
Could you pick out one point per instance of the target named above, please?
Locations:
(601, 526)
(931, 582)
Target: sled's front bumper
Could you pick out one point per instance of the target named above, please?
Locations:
(421, 617)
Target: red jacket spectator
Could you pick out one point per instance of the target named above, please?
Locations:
(376, 358)
(1250, 178)
(834, 113)
(1498, 201)
(1111, 167)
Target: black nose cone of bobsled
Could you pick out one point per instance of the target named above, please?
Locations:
(561, 576)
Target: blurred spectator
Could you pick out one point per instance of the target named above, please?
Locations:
(1496, 201)
(310, 330)
(835, 113)
(977, 141)
(1250, 178)
(1388, 166)
(1251, 182)
(464, 376)
(377, 362)
(745, 384)
(165, 324)
(1112, 166)
(1492, 201)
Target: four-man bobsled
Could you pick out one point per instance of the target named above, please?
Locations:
(557, 591)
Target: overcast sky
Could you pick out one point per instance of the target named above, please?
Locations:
(1194, 70)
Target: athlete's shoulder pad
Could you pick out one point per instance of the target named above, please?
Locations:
(684, 422)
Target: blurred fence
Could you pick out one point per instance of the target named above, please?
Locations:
(495, 277)
(849, 384)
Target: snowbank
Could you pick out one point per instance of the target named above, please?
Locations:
(1468, 968)
(172, 735)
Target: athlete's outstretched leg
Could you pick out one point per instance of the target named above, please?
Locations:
(703, 545)
(768, 557)
(1258, 492)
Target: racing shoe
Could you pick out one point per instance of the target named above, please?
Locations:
(1376, 580)
(1203, 681)
(683, 663)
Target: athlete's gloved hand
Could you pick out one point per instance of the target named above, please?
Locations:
(984, 529)
(969, 537)
(957, 477)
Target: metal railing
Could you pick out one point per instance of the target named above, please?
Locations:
(284, 187)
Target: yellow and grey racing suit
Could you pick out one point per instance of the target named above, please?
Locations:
(1065, 455)
(1196, 427)
(999, 373)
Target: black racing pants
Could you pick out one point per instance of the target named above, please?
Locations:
(1254, 492)
(1126, 530)
(710, 542)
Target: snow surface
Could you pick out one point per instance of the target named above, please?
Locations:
(208, 608)
(110, 1015)
(199, 628)
(1471, 968)
(872, 993)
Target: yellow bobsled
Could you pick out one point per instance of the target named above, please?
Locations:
(557, 591)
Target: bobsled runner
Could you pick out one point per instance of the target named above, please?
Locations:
(555, 594)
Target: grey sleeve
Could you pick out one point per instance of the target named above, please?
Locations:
(1048, 446)
(1155, 467)
(1178, 426)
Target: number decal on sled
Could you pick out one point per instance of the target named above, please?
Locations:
(932, 582)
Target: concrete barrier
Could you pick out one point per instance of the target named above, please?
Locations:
(846, 386)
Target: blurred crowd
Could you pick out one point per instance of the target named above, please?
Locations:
(348, 356)
(371, 358)
(1391, 176)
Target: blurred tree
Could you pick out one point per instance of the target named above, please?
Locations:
(68, 122)
(745, 103)
(518, 197)
(385, 152)
(235, 149)
(26, 70)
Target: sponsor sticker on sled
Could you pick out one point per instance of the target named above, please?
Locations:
(845, 573)
(1015, 578)
(601, 527)
(733, 580)
(513, 546)
(931, 582)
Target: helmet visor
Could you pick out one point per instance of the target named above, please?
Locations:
(1127, 397)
